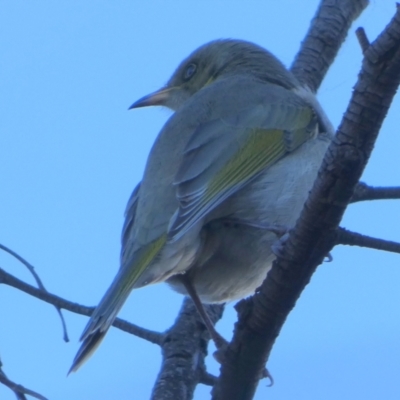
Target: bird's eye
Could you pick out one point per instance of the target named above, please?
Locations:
(189, 71)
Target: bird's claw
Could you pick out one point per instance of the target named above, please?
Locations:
(221, 344)
(277, 247)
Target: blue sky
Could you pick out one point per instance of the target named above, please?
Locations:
(71, 154)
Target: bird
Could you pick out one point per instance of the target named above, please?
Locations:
(235, 161)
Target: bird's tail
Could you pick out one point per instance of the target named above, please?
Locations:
(129, 276)
(102, 318)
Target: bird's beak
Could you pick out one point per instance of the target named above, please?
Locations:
(158, 98)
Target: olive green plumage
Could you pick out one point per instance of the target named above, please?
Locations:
(238, 156)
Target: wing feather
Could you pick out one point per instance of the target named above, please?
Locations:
(225, 154)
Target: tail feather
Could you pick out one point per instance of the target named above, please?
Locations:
(105, 313)
(87, 348)
(102, 318)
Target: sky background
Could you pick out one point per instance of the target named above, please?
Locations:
(71, 154)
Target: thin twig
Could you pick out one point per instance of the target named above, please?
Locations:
(8, 279)
(19, 390)
(362, 39)
(363, 192)
(350, 238)
(146, 334)
(39, 282)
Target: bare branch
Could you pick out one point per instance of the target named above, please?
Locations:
(19, 390)
(39, 282)
(262, 316)
(350, 238)
(184, 350)
(327, 32)
(208, 379)
(364, 192)
(8, 279)
(146, 334)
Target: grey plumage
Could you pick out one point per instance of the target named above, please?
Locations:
(238, 156)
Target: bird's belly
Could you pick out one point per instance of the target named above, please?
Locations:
(233, 262)
(236, 254)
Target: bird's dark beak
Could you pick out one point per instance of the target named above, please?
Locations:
(158, 98)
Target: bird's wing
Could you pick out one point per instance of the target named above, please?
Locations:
(130, 213)
(226, 153)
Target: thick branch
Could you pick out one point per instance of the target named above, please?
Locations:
(59, 302)
(184, 350)
(304, 74)
(349, 238)
(363, 192)
(262, 316)
(327, 32)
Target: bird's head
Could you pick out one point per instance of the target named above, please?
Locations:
(210, 62)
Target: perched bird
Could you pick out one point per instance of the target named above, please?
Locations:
(236, 159)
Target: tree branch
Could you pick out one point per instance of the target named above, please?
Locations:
(312, 77)
(19, 390)
(362, 39)
(208, 379)
(262, 316)
(10, 280)
(39, 282)
(350, 238)
(327, 32)
(184, 350)
(364, 192)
